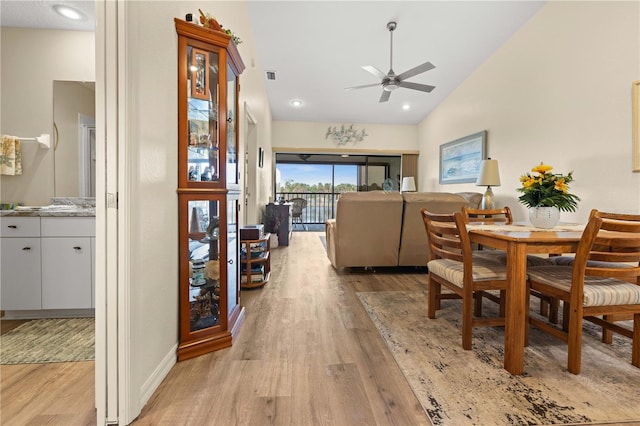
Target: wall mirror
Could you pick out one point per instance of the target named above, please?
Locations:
(73, 138)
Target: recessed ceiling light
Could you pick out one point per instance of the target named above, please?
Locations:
(345, 156)
(406, 107)
(296, 103)
(68, 12)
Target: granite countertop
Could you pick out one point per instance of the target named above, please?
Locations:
(49, 212)
(59, 207)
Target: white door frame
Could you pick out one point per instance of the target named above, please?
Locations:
(86, 155)
(111, 367)
(250, 163)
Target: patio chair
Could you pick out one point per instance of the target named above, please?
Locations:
(296, 211)
(602, 286)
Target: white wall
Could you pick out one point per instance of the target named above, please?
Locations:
(381, 137)
(559, 91)
(30, 61)
(150, 95)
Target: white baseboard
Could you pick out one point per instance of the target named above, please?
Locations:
(159, 373)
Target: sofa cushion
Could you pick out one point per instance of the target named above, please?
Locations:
(366, 231)
(414, 244)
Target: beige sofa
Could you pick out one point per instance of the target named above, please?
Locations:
(380, 228)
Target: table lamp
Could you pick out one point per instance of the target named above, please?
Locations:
(408, 184)
(488, 176)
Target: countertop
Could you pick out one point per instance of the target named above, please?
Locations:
(47, 211)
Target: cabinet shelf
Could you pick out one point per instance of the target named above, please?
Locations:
(255, 269)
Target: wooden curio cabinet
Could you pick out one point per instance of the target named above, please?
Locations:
(208, 189)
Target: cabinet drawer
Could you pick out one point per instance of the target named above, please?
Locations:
(68, 226)
(19, 226)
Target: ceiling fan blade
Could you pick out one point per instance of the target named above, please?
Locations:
(416, 70)
(375, 71)
(417, 86)
(362, 87)
(385, 96)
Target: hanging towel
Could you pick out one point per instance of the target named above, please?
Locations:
(10, 156)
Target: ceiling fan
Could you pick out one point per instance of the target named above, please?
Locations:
(391, 81)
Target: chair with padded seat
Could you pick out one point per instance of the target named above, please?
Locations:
(451, 265)
(602, 286)
(548, 307)
(299, 205)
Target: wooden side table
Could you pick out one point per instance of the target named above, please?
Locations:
(255, 262)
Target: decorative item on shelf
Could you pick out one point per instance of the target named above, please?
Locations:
(233, 35)
(212, 228)
(488, 176)
(548, 191)
(209, 21)
(408, 184)
(343, 136)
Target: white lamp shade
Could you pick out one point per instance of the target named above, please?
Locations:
(489, 174)
(408, 184)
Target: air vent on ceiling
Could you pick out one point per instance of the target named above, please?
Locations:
(271, 75)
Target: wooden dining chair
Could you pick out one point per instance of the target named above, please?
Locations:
(549, 307)
(491, 216)
(451, 265)
(602, 285)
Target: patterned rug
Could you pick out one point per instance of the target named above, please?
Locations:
(458, 387)
(49, 340)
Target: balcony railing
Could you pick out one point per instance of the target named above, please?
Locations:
(320, 206)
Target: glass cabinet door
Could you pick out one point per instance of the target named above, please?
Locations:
(233, 264)
(205, 270)
(232, 126)
(202, 97)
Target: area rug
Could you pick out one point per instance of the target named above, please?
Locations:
(49, 340)
(458, 387)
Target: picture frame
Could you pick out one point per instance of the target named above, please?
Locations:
(636, 125)
(460, 159)
(260, 157)
(199, 74)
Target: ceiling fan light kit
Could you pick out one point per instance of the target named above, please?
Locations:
(390, 81)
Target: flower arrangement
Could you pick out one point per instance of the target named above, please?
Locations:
(541, 188)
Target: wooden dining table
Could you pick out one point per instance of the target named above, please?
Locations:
(518, 240)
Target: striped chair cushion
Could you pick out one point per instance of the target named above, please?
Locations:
(598, 291)
(500, 257)
(568, 261)
(452, 270)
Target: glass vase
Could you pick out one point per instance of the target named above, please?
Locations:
(544, 217)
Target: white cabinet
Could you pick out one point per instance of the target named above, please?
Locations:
(66, 273)
(20, 263)
(47, 262)
(20, 273)
(66, 262)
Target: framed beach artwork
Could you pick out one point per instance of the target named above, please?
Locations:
(460, 159)
(636, 125)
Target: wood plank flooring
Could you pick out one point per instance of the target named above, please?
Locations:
(307, 354)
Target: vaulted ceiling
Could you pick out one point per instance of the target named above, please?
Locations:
(318, 48)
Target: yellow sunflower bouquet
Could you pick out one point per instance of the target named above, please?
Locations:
(541, 188)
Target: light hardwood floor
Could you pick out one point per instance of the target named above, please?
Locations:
(307, 354)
